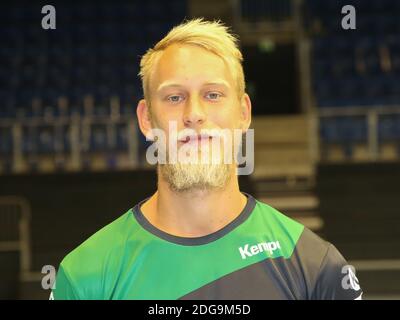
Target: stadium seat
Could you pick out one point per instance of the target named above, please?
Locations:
(46, 140)
(389, 127)
(122, 137)
(99, 138)
(6, 140)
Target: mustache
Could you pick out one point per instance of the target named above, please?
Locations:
(192, 135)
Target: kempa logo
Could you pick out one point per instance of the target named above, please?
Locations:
(249, 251)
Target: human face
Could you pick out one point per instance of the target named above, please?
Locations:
(195, 89)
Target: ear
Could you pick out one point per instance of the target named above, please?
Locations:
(144, 119)
(245, 112)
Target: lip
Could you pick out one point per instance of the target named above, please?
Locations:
(198, 138)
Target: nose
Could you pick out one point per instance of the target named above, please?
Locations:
(194, 113)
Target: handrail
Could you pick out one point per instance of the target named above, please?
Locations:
(78, 144)
(371, 115)
(23, 245)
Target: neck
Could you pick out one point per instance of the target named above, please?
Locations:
(194, 213)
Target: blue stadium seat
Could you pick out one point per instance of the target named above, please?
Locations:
(177, 10)
(132, 34)
(99, 138)
(11, 57)
(29, 139)
(344, 67)
(110, 55)
(385, 24)
(83, 12)
(382, 6)
(109, 75)
(108, 33)
(97, 54)
(389, 128)
(393, 88)
(50, 100)
(63, 140)
(355, 129)
(395, 63)
(102, 110)
(122, 137)
(132, 11)
(322, 68)
(373, 89)
(59, 57)
(127, 109)
(347, 93)
(344, 129)
(6, 141)
(329, 130)
(322, 92)
(319, 48)
(12, 37)
(154, 10)
(340, 47)
(46, 140)
(372, 63)
(9, 101)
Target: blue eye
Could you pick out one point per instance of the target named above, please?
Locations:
(213, 95)
(174, 99)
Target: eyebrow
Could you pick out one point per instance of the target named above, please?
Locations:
(177, 85)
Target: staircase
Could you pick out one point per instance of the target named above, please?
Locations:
(284, 167)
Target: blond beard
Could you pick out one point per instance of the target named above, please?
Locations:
(185, 177)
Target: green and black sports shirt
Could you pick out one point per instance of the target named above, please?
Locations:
(261, 254)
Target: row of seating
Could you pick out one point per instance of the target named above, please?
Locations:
(347, 46)
(24, 11)
(96, 33)
(94, 51)
(317, 8)
(275, 10)
(358, 91)
(39, 103)
(51, 139)
(114, 136)
(355, 68)
(354, 129)
(367, 24)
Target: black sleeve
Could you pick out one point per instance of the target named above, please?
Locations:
(336, 279)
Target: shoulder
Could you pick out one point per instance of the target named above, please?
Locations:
(104, 241)
(324, 272)
(275, 216)
(96, 258)
(327, 273)
(277, 226)
(306, 243)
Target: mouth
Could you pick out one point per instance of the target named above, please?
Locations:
(195, 138)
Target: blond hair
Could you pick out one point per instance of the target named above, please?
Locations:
(210, 35)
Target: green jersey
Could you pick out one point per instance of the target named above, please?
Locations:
(261, 254)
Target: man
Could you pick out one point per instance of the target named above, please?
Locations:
(198, 236)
